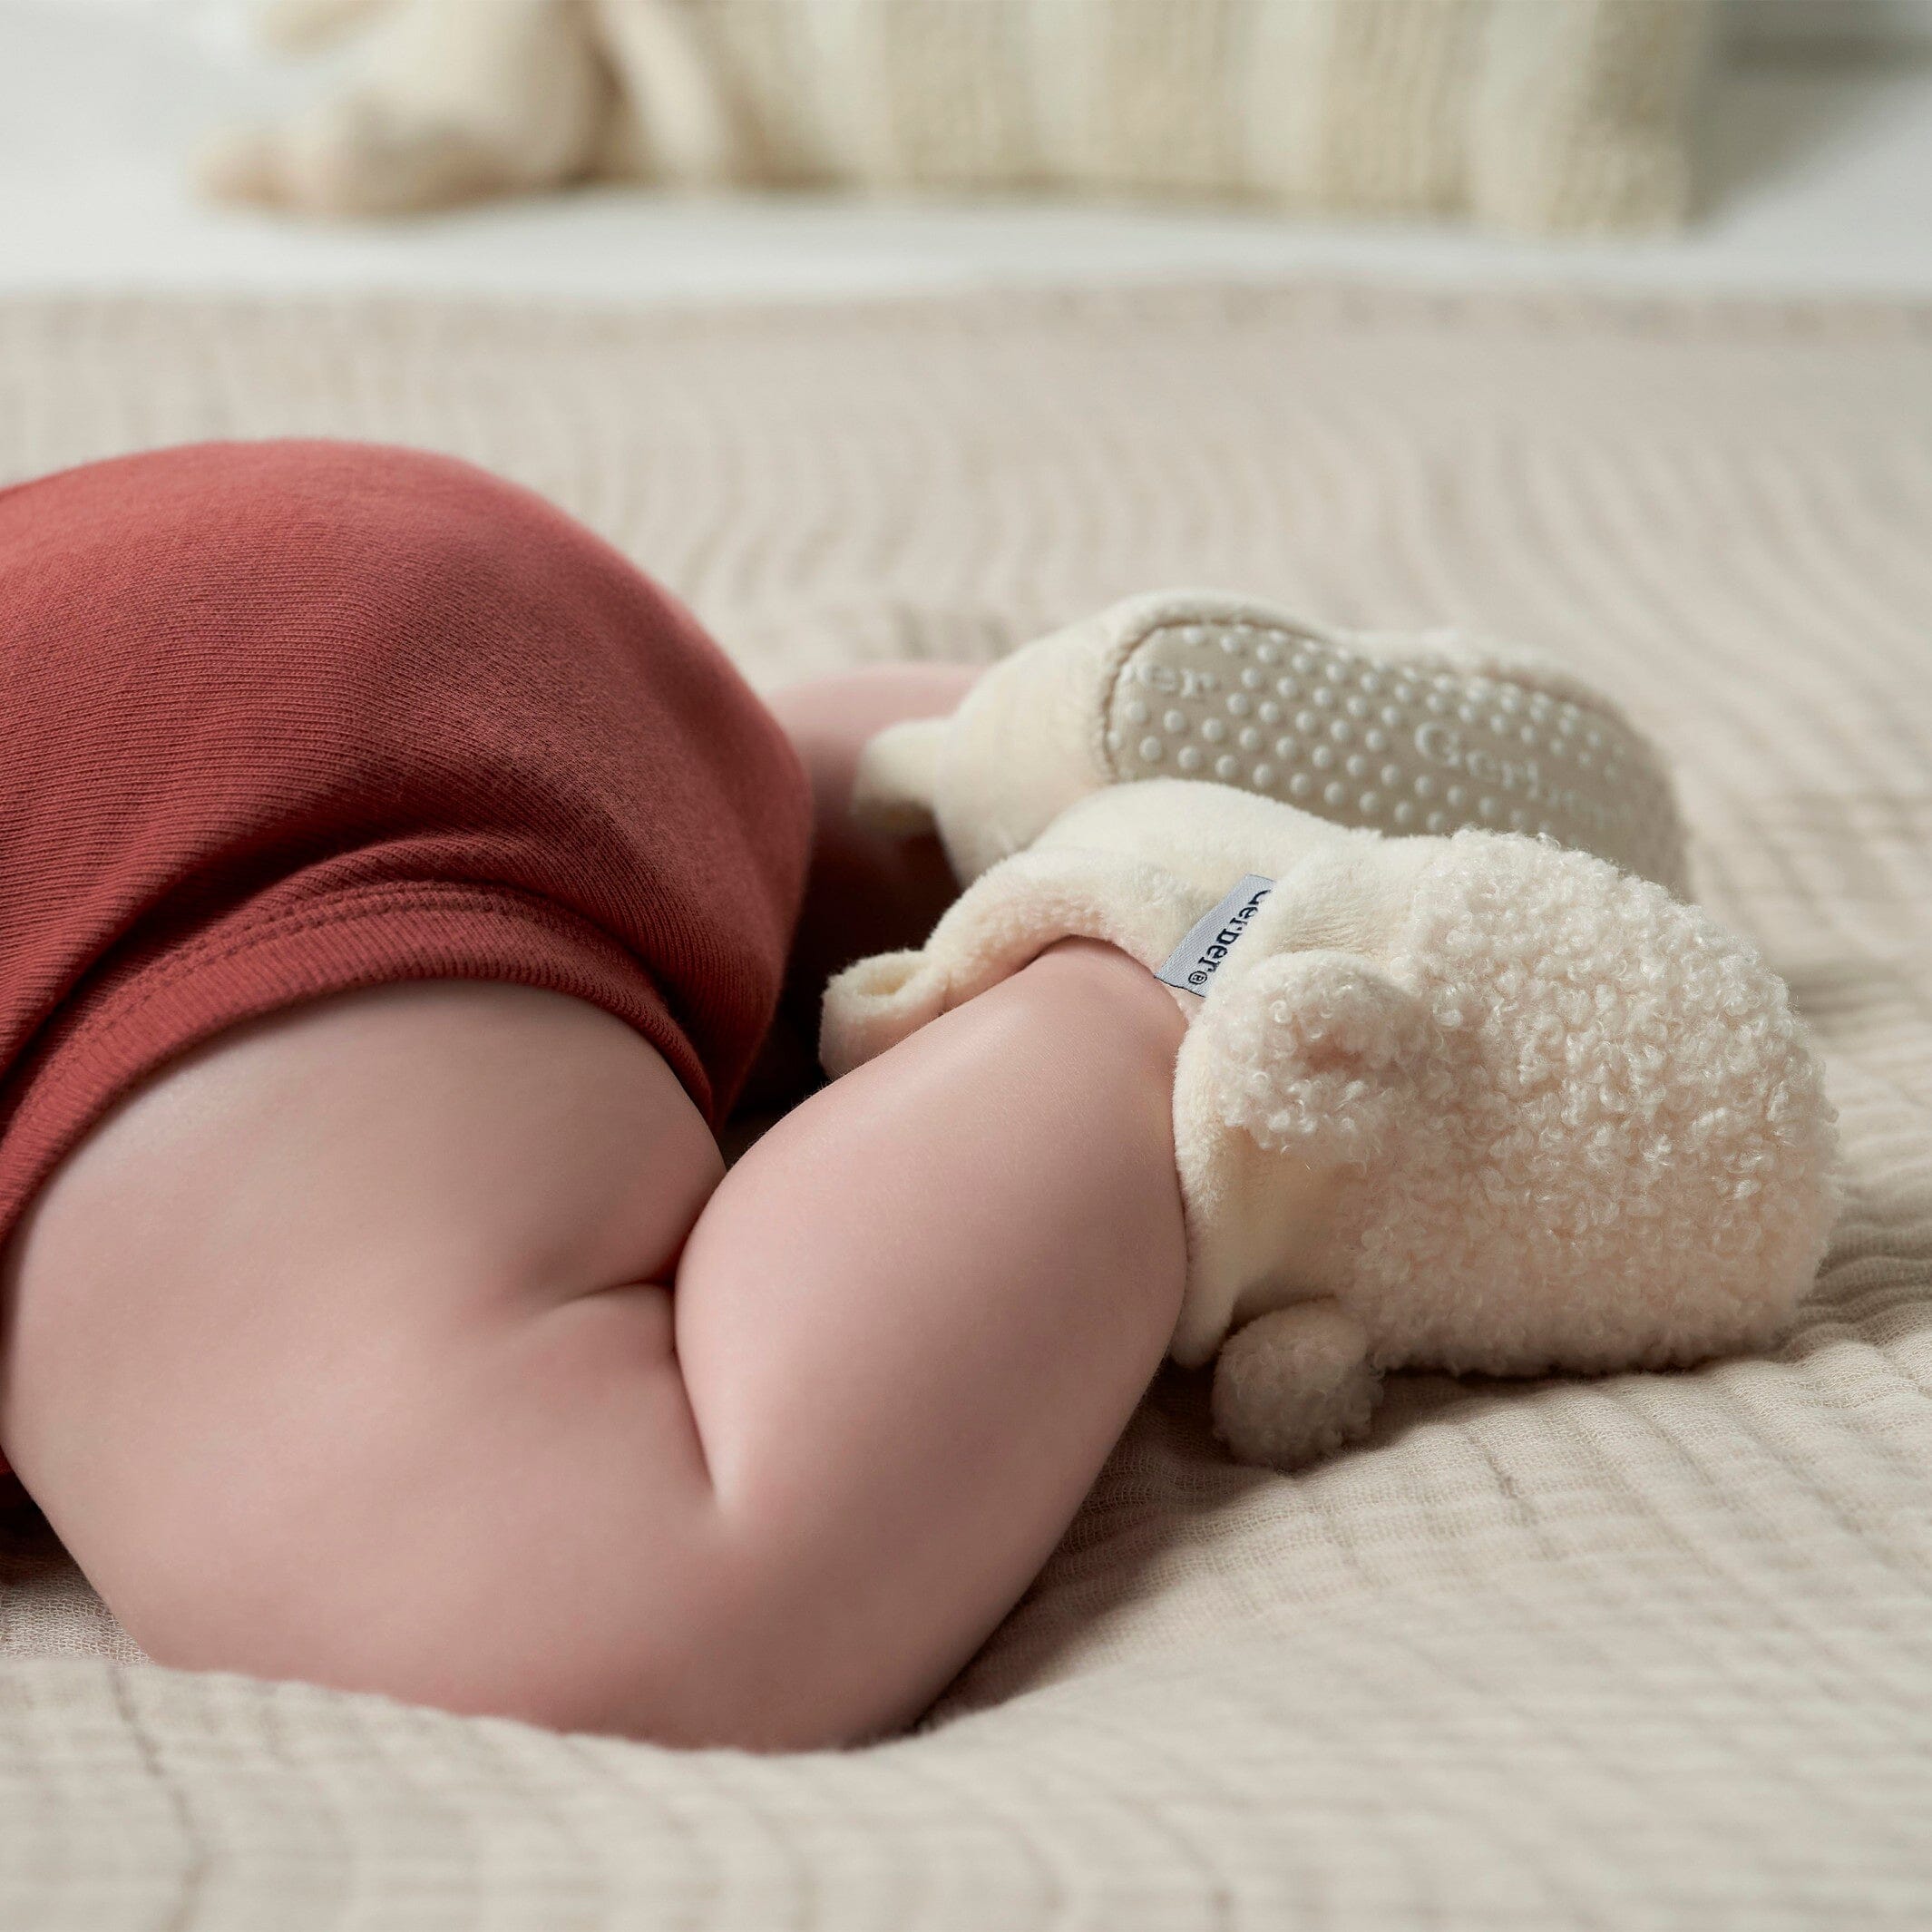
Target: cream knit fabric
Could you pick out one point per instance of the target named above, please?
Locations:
(1535, 114)
(1542, 115)
(1654, 1652)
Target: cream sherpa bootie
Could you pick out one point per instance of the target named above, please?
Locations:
(1403, 735)
(1470, 1102)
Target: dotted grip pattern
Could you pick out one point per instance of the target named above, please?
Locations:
(1404, 737)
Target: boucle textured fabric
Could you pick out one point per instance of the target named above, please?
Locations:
(291, 717)
(1649, 1652)
(1534, 114)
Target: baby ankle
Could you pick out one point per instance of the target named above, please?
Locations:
(1136, 1005)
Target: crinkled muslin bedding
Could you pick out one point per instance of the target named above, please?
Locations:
(1654, 1651)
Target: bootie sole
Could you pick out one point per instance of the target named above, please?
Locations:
(1402, 735)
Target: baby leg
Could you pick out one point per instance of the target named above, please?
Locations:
(865, 892)
(348, 1349)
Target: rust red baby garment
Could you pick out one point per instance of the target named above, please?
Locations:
(285, 718)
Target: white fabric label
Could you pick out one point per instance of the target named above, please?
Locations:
(1198, 957)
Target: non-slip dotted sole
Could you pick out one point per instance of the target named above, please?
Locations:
(1396, 737)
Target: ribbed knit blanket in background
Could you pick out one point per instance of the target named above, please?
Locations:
(1654, 1651)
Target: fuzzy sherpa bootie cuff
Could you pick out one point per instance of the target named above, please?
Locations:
(1005, 919)
(1403, 734)
(1137, 866)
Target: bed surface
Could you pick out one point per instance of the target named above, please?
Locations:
(1648, 1652)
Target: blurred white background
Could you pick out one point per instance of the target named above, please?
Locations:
(1816, 146)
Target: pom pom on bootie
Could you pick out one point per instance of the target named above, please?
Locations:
(1404, 734)
(1472, 1104)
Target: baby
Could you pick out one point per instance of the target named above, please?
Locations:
(396, 891)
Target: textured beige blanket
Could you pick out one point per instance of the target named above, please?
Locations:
(1650, 1652)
